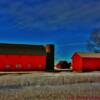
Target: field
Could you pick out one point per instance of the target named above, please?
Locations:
(50, 86)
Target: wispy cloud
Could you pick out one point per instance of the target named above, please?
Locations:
(46, 15)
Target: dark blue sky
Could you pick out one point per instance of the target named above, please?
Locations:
(66, 23)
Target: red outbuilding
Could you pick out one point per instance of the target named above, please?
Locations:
(86, 62)
(19, 57)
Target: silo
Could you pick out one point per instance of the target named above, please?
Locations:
(50, 57)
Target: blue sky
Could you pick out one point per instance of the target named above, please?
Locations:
(65, 23)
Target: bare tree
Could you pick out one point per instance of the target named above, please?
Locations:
(93, 44)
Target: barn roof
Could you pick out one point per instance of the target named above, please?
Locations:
(22, 49)
(88, 54)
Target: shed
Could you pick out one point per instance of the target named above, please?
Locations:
(86, 62)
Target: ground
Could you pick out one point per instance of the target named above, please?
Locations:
(50, 86)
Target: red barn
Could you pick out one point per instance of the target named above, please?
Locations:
(86, 62)
(19, 57)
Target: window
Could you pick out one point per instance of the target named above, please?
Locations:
(18, 65)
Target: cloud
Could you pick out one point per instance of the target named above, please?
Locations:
(47, 15)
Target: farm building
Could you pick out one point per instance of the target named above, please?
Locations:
(86, 62)
(19, 57)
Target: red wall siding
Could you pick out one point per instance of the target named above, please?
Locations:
(22, 63)
(77, 63)
(91, 64)
(3, 61)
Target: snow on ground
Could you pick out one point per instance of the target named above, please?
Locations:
(50, 86)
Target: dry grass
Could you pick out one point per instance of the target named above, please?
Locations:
(50, 86)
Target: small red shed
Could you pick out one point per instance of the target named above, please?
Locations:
(86, 62)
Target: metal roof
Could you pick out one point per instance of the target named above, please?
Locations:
(22, 49)
(89, 54)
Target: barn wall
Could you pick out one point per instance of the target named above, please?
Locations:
(22, 63)
(77, 63)
(91, 64)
